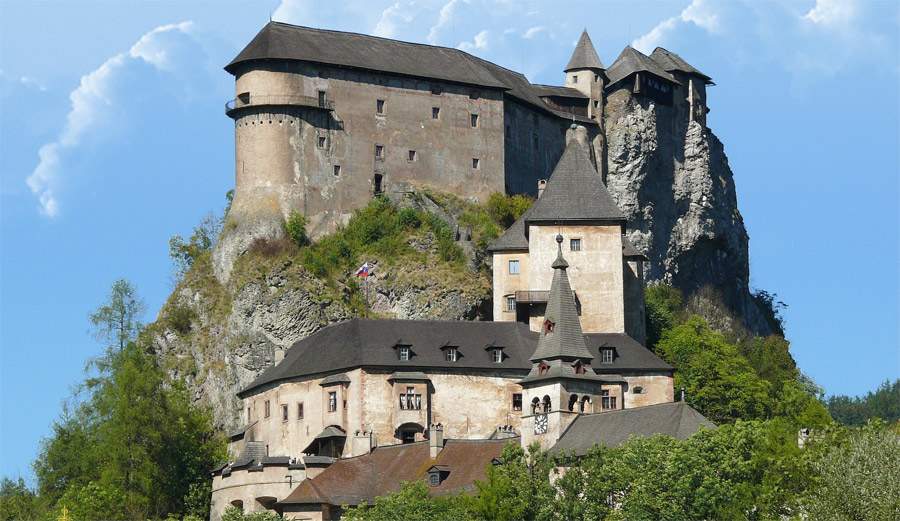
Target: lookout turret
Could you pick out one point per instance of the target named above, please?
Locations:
(586, 73)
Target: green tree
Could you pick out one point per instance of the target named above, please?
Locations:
(519, 488)
(857, 476)
(664, 304)
(117, 322)
(295, 227)
(411, 503)
(718, 380)
(18, 502)
(184, 252)
(882, 403)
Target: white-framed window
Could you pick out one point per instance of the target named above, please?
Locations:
(451, 354)
(513, 266)
(497, 355)
(332, 401)
(607, 401)
(284, 412)
(410, 400)
(606, 355)
(510, 303)
(403, 352)
(575, 244)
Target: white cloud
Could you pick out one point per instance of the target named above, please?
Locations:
(91, 104)
(534, 31)
(387, 24)
(292, 11)
(832, 12)
(445, 16)
(699, 12)
(479, 42)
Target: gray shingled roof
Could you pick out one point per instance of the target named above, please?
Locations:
(555, 90)
(677, 419)
(584, 56)
(628, 249)
(281, 41)
(340, 378)
(670, 61)
(631, 60)
(370, 343)
(513, 239)
(575, 191)
(565, 341)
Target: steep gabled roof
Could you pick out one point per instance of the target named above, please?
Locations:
(359, 480)
(370, 343)
(575, 191)
(630, 61)
(584, 56)
(281, 41)
(669, 61)
(628, 250)
(676, 419)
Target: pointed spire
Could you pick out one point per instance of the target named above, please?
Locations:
(584, 56)
(561, 336)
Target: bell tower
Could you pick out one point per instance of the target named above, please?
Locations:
(561, 383)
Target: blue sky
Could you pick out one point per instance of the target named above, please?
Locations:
(113, 138)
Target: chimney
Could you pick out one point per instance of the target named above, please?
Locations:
(542, 183)
(435, 439)
(577, 133)
(363, 442)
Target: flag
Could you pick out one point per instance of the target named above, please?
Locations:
(363, 270)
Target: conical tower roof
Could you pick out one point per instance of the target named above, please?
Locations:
(561, 336)
(584, 56)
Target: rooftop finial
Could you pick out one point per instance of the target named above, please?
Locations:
(560, 262)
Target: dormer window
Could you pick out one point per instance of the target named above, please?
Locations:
(606, 355)
(434, 478)
(404, 353)
(437, 474)
(497, 355)
(451, 354)
(548, 326)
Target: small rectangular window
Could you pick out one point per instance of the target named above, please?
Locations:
(332, 401)
(379, 151)
(517, 402)
(513, 267)
(574, 78)
(451, 354)
(606, 356)
(320, 141)
(300, 411)
(412, 156)
(337, 170)
(497, 356)
(403, 353)
(435, 112)
(575, 244)
(476, 163)
(284, 413)
(510, 303)
(322, 98)
(267, 409)
(596, 78)
(379, 106)
(248, 415)
(473, 119)
(596, 104)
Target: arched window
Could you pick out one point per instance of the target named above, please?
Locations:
(586, 404)
(535, 405)
(546, 403)
(637, 389)
(237, 503)
(573, 399)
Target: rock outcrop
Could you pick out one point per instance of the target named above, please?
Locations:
(672, 180)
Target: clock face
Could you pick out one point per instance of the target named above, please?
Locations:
(540, 423)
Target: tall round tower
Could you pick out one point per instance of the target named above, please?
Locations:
(586, 73)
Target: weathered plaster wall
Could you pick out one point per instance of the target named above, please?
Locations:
(633, 295)
(595, 272)
(534, 142)
(249, 486)
(506, 284)
(657, 388)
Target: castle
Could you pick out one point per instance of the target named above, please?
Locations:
(324, 121)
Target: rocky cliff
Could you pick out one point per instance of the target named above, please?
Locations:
(672, 179)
